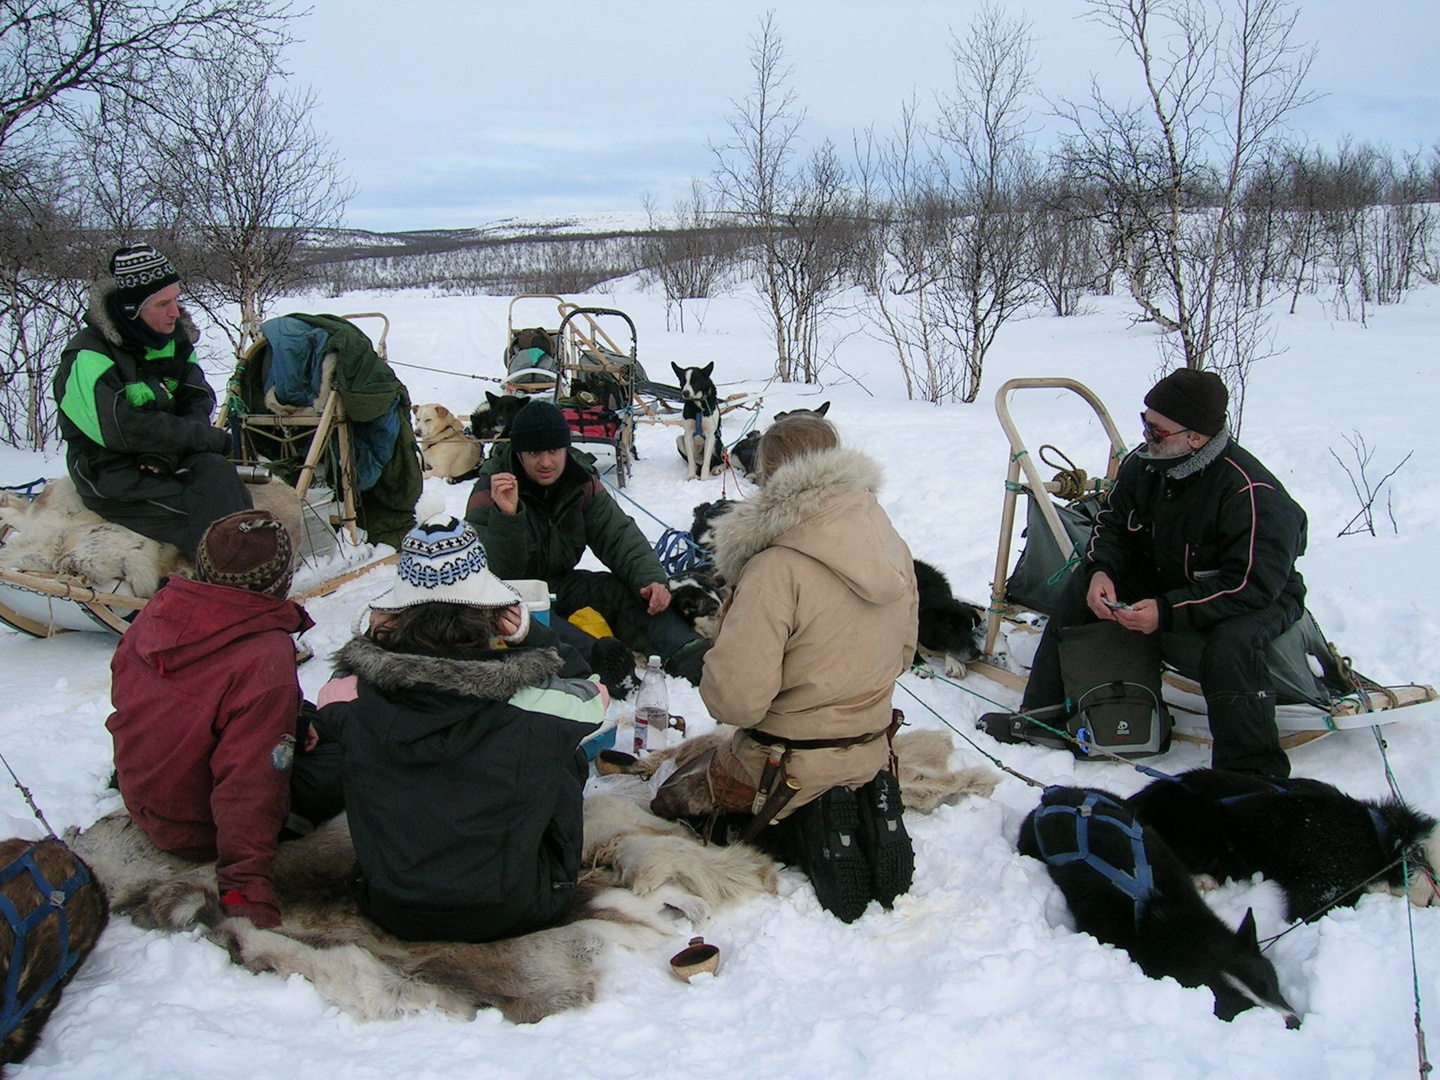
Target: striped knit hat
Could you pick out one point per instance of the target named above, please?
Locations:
(139, 272)
(249, 550)
(443, 560)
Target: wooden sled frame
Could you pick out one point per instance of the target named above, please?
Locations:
(1353, 710)
(318, 429)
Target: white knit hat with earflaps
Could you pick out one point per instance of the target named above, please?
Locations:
(443, 561)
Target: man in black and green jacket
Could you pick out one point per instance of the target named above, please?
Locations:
(539, 504)
(135, 409)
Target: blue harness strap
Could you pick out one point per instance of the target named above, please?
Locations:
(52, 901)
(678, 552)
(1138, 885)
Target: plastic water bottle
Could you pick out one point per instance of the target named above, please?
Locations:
(652, 709)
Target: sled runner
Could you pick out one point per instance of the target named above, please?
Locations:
(1318, 691)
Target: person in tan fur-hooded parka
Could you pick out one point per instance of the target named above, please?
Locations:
(822, 621)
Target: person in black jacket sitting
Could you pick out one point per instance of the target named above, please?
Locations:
(1196, 537)
(461, 770)
(135, 408)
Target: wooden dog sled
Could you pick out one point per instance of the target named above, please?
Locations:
(307, 444)
(1059, 514)
(45, 604)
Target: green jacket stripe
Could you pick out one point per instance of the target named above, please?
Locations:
(78, 401)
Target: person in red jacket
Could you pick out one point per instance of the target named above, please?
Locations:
(206, 704)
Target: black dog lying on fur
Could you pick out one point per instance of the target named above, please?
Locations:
(698, 592)
(1126, 887)
(947, 625)
(1321, 846)
(491, 418)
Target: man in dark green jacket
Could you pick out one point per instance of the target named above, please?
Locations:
(537, 519)
(135, 409)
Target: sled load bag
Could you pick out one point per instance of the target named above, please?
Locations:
(1034, 583)
(1112, 684)
(591, 421)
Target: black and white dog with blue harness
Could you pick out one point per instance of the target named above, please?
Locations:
(1126, 887)
(1323, 847)
(700, 446)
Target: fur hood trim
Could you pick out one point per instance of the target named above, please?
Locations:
(97, 314)
(795, 491)
(486, 680)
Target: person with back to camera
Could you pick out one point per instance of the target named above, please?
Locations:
(539, 504)
(207, 721)
(459, 727)
(1196, 538)
(135, 409)
(822, 621)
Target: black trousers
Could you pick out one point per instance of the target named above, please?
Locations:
(1233, 674)
(654, 635)
(200, 492)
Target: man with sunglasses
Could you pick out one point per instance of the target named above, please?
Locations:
(1196, 538)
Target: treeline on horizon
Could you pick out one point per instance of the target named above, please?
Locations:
(128, 121)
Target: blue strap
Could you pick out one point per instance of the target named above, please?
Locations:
(677, 552)
(1140, 885)
(52, 901)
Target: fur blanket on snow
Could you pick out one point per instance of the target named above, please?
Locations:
(639, 870)
(643, 875)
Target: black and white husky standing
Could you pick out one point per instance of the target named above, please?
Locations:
(947, 626)
(1322, 847)
(1126, 887)
(701, 412)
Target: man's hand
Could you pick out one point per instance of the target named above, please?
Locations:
(657, 596)
(1101, 590)
(1142, 616)
(505, 490)
(312, 738)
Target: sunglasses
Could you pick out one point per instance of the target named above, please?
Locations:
(1158, 435)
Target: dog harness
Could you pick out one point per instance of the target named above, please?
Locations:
(1138, 885)
(52, 901)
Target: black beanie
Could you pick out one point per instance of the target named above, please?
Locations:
(139, 272)
(1197, 399)
(539, 426)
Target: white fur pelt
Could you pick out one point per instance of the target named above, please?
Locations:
(55, 533)
(926, 779)
(628, 898)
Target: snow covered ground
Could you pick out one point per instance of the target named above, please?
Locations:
(976, 972)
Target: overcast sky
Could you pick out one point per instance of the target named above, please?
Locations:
(449, 113)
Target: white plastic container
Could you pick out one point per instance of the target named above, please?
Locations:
(536, 595)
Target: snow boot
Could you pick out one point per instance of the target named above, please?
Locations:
(1014, 728)
(828, 850)
(884, 840)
